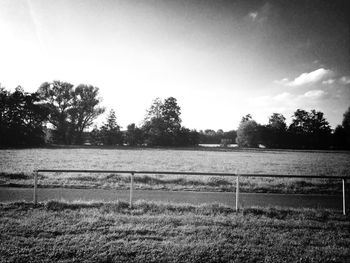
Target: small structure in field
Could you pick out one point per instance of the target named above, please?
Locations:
(225, 142)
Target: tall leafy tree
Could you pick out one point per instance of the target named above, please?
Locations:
(247, 133)
(274, 134)
(134, 135)
(187, 137)
(341, 136)
(210, 136)
(96, 136)
(84, 109)
(170, 112)
(346, 126)
(162, 123)
(71, 109)
(3, 109)
(110, 131)
(154, 110)
(231, 136)
(59, 98)
(155, 132)
(153, 124)
(346, 119)
(278, 121)
(22, 117)
(310, 129)
(300, 122)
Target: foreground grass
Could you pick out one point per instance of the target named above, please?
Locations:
(163, 232)
(173, 183)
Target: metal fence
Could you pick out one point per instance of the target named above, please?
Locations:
(237, 175)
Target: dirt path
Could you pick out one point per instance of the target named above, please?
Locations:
(246, 199)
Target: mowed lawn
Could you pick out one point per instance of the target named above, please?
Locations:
(164, 232)
(16, 167)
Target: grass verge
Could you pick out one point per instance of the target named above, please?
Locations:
(58, 231)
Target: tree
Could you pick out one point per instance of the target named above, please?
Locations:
(274, 134)
(84, 109)
(162, 122)
(346, 119)
(341, 136)
(155, 132)
(346, 127)
(71, 109)
(154, 111)
(187, 137)
(309, 122)
(231, 135)
(247, 133)
(220, 132)
(310, 129)
(170, 113)
(110, 131)
(247, 117)
(278, 122)
(134, 135)
(210, 136)
(4, 94)
(21, 118)
(58, 96)
(96, 136)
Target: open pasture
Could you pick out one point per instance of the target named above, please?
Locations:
(16, 167)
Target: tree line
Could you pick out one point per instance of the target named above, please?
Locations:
(60, 113)
(308, 130)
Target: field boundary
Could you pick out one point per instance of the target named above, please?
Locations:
(237, 175)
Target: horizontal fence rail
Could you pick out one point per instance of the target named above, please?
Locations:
(237, 175)
(191, 173)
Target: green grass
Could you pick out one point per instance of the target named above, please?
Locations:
(163, 232)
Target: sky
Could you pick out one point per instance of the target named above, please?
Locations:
(220, 59)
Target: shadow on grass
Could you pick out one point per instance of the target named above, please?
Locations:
(16, 176)
(213, 183)
(218, 183)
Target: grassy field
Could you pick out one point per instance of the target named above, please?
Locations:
(164, 232)
(16, 167)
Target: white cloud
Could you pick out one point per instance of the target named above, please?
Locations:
(328, 81)
(306, 78)
(253, 15)
(262, 14)
(282, 81)
(314, 94)
(345, 80)
(282, 97)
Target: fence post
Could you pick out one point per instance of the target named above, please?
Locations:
(344, 205)
(35, 193)
(131, 188)
(237, 192)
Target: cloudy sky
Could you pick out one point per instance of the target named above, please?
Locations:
(220, 59)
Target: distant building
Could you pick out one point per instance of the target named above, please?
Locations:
(225, 142)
